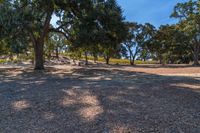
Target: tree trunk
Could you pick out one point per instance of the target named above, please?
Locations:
(49, 54)
(95, 58)
(132, 57)
(39, 57)
(162, 61)
(57, 53)
(131, 61)
(39, 42)
(11, 56)
(196, 55)
(107, 60)
(86, 59)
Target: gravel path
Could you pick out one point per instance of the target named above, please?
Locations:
(114, 99)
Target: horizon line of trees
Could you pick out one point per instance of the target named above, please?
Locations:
(96, 28)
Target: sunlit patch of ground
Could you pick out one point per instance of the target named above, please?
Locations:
(48, 115)
(20, 105)
(91, 106)
(194, 87)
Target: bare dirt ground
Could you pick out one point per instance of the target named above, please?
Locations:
(100, 99)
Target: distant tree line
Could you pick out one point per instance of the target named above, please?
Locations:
(96, 28)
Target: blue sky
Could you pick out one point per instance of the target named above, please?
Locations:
(156, 12)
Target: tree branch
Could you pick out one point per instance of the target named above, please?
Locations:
(58, 31)
(47, 24)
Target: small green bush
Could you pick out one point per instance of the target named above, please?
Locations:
(2, 61)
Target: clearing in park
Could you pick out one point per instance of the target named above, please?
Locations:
(100, 98)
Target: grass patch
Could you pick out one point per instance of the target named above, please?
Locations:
(121, 61)
(2, 61)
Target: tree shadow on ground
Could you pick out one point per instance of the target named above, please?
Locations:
(97, 100)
